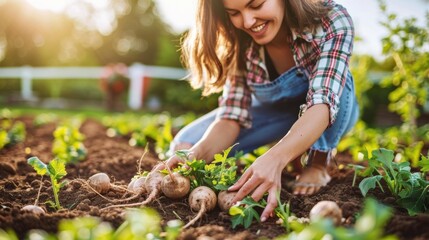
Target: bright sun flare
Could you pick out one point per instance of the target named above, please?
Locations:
(53, 5)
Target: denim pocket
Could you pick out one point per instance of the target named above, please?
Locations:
(288, 86)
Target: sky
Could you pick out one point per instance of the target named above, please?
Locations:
(365, 13)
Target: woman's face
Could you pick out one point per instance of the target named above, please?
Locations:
(261, 19)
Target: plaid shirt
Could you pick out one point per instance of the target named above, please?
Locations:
(324, 55)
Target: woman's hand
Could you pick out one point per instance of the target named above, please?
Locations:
(171, 163)
(263, 176)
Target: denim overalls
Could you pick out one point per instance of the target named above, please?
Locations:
(275, 108)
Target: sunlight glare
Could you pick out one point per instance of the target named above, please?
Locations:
(52, 5)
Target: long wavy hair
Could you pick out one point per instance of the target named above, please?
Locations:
(214, 49)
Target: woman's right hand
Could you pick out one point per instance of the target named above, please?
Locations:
(171, 163)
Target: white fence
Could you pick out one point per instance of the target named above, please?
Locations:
(136, 74)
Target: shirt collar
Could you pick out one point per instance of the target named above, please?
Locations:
(307, 35)
(252, 53)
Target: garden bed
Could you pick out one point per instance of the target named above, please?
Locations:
(19, 185)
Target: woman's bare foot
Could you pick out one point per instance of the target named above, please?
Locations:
(311, 180)
(315, 175)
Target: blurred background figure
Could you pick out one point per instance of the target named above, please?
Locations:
(114, 82)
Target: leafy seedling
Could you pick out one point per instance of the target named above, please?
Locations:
(409, 189)
(357, 170)
(56, 169)
(244, 212)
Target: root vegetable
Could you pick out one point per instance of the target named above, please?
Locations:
(152, 186)
(201, 199)
(34, 209)
(224, 200)
(137, 185)
(175, 186)
(100, 182)
(326, 209)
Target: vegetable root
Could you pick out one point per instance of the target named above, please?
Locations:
(34, 209)
(152, 186)
(137, 185)
(175, 186)
(201, 199)
(224, 200)
(326, 209)
(100, 182)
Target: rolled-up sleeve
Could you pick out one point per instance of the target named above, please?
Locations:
(234, 103)
(330, 72)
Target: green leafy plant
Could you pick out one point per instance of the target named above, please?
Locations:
(424, 165)
(244, 212)
(56, 169)
(357, 171)
(222, 171)
(220, 174)
(68, 144)
(410, 189)
(11, 132)
(283, 212)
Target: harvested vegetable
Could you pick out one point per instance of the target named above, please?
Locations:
(326, 209)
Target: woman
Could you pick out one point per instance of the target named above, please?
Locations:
(274, 60)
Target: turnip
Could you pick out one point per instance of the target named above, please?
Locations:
(137, 185)
(152, 186)
(326, 209)
(34, 209)
(100, 182)
(175, 186)
(224, 200)
(201, 199)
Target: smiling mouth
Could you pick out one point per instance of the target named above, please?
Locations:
(258, 28)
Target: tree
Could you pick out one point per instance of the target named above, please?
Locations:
(140, 36)
(407, 44)
(124, 31)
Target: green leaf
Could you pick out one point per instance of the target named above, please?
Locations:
(57, 168)
(424, 164)
(236, 210)
(384, 156)
(236, 220)
(249, 214)
(368, 183)
(38, 165)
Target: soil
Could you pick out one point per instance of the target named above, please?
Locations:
(19, 186)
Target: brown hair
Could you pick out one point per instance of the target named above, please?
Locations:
(214, 49)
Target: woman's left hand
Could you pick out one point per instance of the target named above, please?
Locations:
(263, 176)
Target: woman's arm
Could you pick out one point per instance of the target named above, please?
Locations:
(264, 175)
(220, 135)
